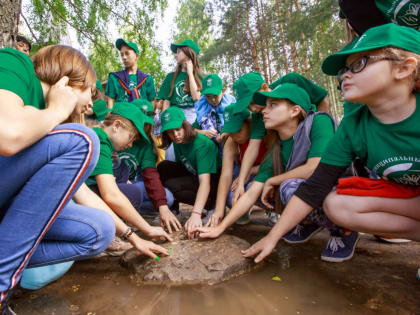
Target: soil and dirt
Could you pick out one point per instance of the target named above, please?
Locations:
(380, 279)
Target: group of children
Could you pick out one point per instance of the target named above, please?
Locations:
(67, 189)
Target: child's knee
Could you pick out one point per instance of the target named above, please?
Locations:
(105, 233)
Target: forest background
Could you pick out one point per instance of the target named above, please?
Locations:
(273, 37)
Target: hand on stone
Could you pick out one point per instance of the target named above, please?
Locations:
(215, 219)
(192, 224)
(267, 193)
(158, 232)
(149, 248)
(168, 219)
(263, 248)
(209, 232)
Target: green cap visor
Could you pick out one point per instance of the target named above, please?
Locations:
(288, 91)
(120, 42)
(100, 109)
(171, 118)
(233, 122)
(376, 37)
(186, 43)
(244, 89)
(132, 113)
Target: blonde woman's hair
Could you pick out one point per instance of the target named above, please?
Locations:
(53, 62)
(400, 55)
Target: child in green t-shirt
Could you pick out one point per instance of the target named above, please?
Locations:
(297, 137)
(194, 175)
(182, 88)
(238, 128)
(380, 70)
(131, 83)
(124, 126)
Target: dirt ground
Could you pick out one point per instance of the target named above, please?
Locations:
(380, 279)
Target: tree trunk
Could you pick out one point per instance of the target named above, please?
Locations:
(302, 36)
(292, 44)
(253, 41)
(283, 38)
(9, 22)
(262, 39)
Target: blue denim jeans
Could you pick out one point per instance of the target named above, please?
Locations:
(36, 186)
(317, 215)
(147, 206)
(236, 170)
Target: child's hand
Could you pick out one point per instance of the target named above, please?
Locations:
(264, 247)
(149, 248)
(215, 219)
(168, 219)
(210, 133)
(189, 65)
(267, 193)
(192, 224)
(61, 98)
(209, 232)
(158, 232)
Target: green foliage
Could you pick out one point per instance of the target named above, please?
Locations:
(92, 20)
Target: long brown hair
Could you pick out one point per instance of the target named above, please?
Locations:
(189, 136)
(53, 62)
(275, 149)
(196, 71)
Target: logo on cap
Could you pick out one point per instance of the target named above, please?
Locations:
(144, 108)
(209, 82)
(235, 93)
(166, 117)
(226, 116)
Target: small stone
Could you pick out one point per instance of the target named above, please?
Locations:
(276, 278)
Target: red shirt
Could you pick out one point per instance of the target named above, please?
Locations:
(261, 152)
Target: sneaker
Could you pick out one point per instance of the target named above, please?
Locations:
(302, 233)
(6, 310)
(340, 248)
(389, 239)
(272, 217)
(244, 219)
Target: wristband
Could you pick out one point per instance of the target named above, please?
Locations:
(196, 212)
(124, 236)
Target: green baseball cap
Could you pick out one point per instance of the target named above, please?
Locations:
(233, 122)
(134, 114)
(376, 37)
(244, 89)
(186, 43)
(120, 42)
(145, 106)
(99, 85)
(288, 91)
(172, 118)
(100, 109)
(212, 84)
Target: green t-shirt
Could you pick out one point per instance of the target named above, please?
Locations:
(179, 97)
(258, 130)
(104, 165)
(401, 12)
(199, 156)
(315, 92)
(17, 75)
(390, 150)
(115, 90)
(349, 108)
(321, 133)
(138, 157)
